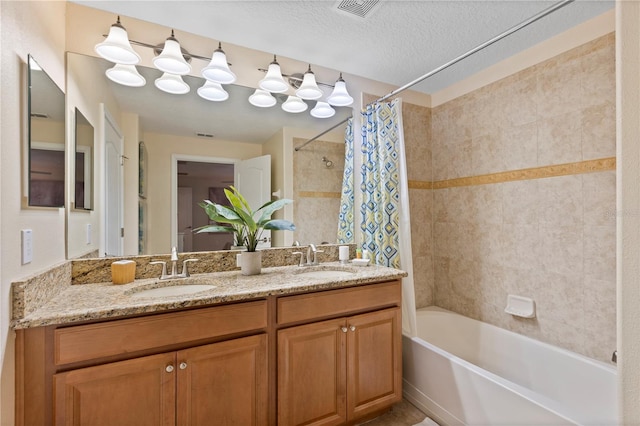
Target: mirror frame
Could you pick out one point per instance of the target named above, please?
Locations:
(31, 145)
(85, 150)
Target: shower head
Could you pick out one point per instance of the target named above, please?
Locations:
(327, 163)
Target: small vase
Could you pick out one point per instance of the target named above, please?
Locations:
(251, 262)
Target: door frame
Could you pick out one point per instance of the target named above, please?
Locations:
(108, 121)
(174, 185)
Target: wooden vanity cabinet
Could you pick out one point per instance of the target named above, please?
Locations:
(340, 370)
(224, 381)
(195, 367)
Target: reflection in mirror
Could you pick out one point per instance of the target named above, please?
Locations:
(46, 139)
(187, 125)
(83, 188)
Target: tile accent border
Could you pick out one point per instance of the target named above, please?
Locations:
(311, 194)
(581, 167)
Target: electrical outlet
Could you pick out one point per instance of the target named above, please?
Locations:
(88, 233)
(27, 246)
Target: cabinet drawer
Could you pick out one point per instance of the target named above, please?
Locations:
(324, 304)
(85, 342)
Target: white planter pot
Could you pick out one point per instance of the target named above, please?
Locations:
(251, 262)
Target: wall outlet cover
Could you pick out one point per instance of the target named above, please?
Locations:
(27, 246)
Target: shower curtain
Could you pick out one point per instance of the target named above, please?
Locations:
(386, 224)
(345, 217)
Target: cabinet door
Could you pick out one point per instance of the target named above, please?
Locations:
(137, 392)
(312, 374)
(223, 383)
(374, 380)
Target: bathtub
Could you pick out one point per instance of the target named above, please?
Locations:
(462, 371)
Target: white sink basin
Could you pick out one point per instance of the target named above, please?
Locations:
(325, 274)
(173, 290)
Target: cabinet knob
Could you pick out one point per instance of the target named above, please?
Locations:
(352, 327)
(183, 365)
(169, 368)
(344, 329)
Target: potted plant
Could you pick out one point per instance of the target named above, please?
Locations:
(246, 224)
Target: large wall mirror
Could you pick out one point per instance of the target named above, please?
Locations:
(83, 164)
(46, 140)
(164, 120)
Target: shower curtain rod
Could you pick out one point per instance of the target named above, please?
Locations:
(298, 148)
(487, 43)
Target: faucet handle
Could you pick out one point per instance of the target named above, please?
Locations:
(301, 263)
(185, 269)
(164, 266)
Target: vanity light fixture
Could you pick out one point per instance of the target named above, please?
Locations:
(309, 88)
(172, 83)
(218, 70)
(294, 105)
(340, 96)
(126, 75)
(213, 92)
(262, 98)
(322, 110)
(171, 60)
(273, 81)
(116, 48)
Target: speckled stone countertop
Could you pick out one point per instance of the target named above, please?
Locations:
(76, 303)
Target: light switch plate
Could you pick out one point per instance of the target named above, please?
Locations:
(88, 233)
(27, 246)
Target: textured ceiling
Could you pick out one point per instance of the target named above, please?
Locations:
(397, 43)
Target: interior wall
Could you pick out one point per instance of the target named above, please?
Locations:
(86, 94)
(503, 226)
(160, 149)
(36, 28)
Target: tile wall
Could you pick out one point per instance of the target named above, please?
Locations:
(547, 233)
(316, 191)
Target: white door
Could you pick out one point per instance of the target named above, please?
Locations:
(253, 180)
(185, 219)
(113, 192)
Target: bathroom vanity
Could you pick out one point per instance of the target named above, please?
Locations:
(284, 347)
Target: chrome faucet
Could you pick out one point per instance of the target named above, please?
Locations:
(174, 267)
(312, 258)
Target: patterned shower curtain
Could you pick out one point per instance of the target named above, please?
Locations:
(386, 223)
(345, 218)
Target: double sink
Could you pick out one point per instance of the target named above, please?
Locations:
(195, 284)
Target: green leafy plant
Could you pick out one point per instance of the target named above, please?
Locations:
(247, 225)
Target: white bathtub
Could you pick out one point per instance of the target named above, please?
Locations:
(462, 371)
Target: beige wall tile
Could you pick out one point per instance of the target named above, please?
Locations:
(600, 252)
(522, 247)
(520, 202)
(560, 138)
(599, 190)
(520, 146)
(561, 200)
(561, 249)
(599, 131)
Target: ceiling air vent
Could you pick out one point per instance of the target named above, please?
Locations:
(359, 8)
(204, 135)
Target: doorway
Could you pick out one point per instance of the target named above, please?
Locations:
(198, 181)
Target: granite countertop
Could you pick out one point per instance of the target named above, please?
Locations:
(76, 303)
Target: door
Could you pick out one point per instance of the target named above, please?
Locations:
(223, 383)
(374, 378)
(312, 374)
(113, 190)
(253, 180)
(137, 392)
(185, 219)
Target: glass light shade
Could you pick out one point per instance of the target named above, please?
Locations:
(172, 83)
(171, 59)
(218, 69)
(213, 92)
(126, 75)
(322, 110)
(340, 96)
(262, 98)
(116, 47)
(273, 81)
(294, 104)
(309, 89)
